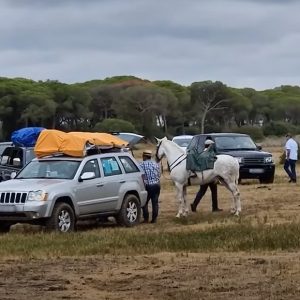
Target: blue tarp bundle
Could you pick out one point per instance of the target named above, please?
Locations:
(26, 137)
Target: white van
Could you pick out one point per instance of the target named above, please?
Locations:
(182, 140)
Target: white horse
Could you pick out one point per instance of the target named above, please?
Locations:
(226, 170)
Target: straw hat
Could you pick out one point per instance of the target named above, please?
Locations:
(147, 153)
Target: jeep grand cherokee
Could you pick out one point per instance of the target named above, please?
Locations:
(57, 191)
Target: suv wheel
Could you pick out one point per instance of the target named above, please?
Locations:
(130, 212)
(62, 219)
(4, 227)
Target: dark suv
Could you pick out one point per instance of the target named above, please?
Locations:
(13, 159)
(254, 163)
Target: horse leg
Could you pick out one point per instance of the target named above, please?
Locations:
(180, 198)
(236, 201)
(186, 209)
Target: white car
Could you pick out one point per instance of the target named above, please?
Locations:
(182, 140)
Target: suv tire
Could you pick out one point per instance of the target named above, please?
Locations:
(62, 218)
(4, 227)
(130, 212)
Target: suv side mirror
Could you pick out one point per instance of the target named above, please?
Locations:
(86, 176)
(259, 147)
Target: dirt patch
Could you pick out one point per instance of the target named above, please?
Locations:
(160, 276)
(174, 276)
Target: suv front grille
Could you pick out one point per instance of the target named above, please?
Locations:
(12, 198)
(253, 160)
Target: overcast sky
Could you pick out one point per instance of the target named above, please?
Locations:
(243, 43)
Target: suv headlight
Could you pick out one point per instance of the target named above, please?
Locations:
(239, 159)
(268, 159)
(37, 196)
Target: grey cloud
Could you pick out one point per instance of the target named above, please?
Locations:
(185, 41)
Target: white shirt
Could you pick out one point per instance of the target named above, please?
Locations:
(293, 147)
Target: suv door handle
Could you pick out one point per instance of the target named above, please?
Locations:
(99, 184)
(122, 181)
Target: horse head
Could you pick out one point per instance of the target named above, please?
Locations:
(159, 149)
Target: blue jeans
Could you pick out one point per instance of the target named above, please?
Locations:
(153, 194)
(290, 168)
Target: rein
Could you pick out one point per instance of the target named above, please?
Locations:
(177, 161)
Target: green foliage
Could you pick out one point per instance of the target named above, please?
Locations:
(255, 132)
(163, 108)
(114, 125)
(279, 128)
(207, 97)
(211, 127)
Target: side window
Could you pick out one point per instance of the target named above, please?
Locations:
(91, 166)
(4, 159)
(110, 166)
(6, 156)
(128, 164)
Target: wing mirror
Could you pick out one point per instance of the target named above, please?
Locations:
(86, 176)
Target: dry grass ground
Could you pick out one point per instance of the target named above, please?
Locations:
(140, 274)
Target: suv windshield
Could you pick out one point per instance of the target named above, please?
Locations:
(50, 169)
(227, 143)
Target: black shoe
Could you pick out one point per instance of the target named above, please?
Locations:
(292, 181)
(145, 221)
(153, 221)
(217, 210)
(193, 207)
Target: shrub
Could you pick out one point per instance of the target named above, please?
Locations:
(213, 128)
(279, 128)
(117, 125)
(255, 132)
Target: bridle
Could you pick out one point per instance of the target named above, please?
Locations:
(158, 159)
(175, 163)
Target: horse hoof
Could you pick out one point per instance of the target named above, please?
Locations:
(237, 213)
(178, 215)
(233, 211)
(185, 214)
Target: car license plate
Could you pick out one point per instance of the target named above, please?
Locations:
(256, 171)
(7, 208)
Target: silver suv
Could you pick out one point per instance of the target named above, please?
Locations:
(57, 191)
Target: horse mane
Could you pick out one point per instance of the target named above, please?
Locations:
(175, 145)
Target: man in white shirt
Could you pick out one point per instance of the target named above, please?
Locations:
(291, 157)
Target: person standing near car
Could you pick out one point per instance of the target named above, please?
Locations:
(291, 157)
(152, 180)
(203, 188)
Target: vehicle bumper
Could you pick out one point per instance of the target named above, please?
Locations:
(257, 171)
(23, 212)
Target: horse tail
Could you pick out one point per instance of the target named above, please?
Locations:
(237, 175)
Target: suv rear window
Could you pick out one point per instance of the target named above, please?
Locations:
(128, 164)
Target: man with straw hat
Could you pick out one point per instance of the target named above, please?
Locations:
(152, 180)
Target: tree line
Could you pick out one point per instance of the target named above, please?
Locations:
(151, 108)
